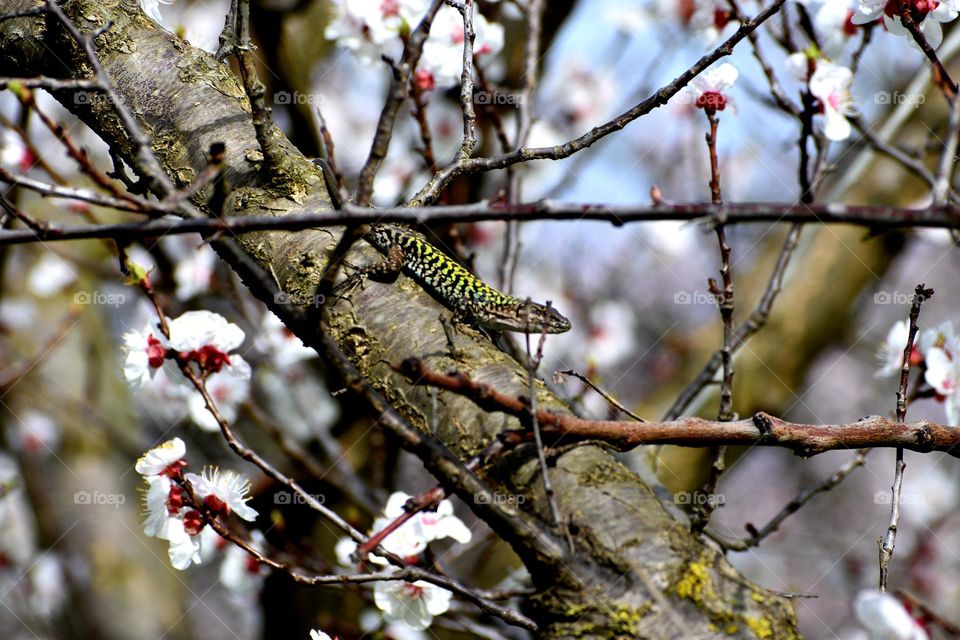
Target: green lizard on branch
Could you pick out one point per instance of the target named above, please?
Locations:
(448, 281)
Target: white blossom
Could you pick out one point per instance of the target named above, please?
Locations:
(51, 275)
(184, 548)
(709, 90)
(710, 17)
(37, 432)
(144, 356)
(195, 330)
(412, 537)
(830, 84)
(443, 51)
(14, 154)
(225, 492)
(194, 273)
(885, 618)
(413, 603)
(155, 503)
(279, 343)
(943, 374)
(890, 354)
(228, 388)
(240, 573)
(152, 9)
(833, 27)
(161, 457)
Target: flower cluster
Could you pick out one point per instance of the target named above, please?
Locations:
(413, 603)
(202, 341)
(926, 14)
(373, 29)
(170, 513)
(937, 353)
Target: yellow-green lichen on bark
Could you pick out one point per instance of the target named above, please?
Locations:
(696, 585)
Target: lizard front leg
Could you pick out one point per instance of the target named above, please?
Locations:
(387, 270)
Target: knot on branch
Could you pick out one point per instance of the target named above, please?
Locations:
(763, 423)
(924, 437)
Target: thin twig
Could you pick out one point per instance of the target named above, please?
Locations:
(603, 394)
(887, 543)
(802, 498)
(533, 363)
(273, 153)
(940, 76)
(466, 85)
(703, 510)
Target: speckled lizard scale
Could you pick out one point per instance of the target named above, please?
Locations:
(457, 288)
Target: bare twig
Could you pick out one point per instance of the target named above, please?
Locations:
(887, 543)
(703, 510)
(533, 363)
(466, 84)
(603, 394)
(273, 154)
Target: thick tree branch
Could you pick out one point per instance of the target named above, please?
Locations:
(760, 430)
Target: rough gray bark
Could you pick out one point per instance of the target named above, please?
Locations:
(635, 572)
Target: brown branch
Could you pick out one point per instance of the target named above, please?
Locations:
(762, 429)
(466, 84)
(749, 327)
(876, 218)
(703, 510)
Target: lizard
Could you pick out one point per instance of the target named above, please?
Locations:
(448, 281)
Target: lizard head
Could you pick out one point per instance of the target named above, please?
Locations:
(525, 316)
